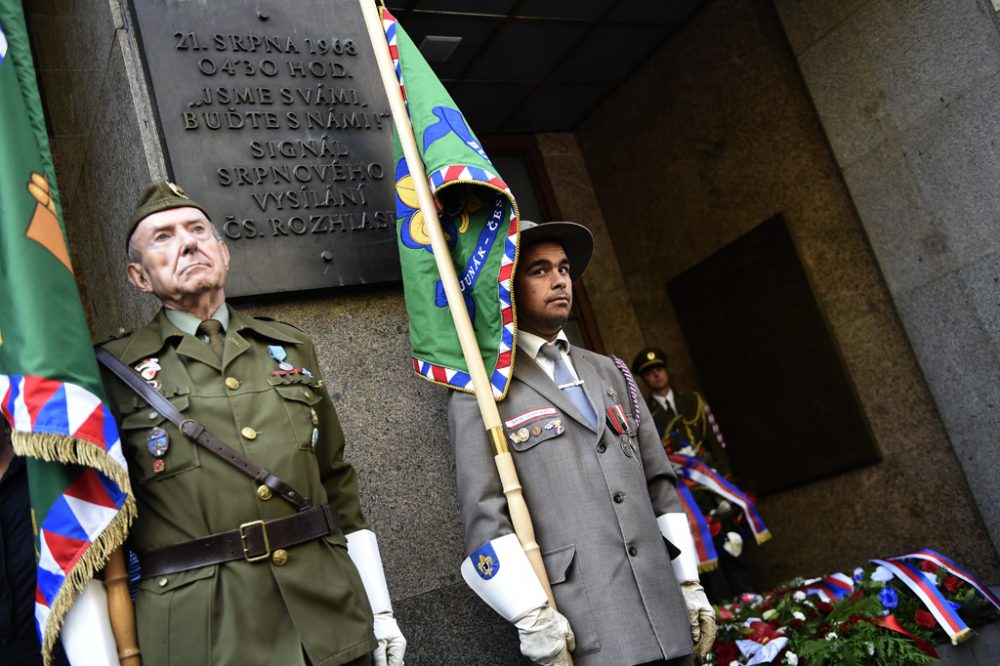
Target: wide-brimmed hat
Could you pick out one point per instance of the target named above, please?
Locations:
(576, 241)
(650, 357)
(158, 196)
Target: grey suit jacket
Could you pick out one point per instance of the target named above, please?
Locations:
(594, 509)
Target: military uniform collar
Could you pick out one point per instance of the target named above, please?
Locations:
(189, 323)
(152, 337)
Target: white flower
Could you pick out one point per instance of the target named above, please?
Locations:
(769, 613)
(734, 663)
(799, 596)
(791, 659)
(799, 615)
(832, 636)
(881, 574)
(870, 648)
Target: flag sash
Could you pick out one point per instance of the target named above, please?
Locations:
(708, 557)
(690, 467)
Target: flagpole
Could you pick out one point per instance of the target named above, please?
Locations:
(516, 505)
(120, 609)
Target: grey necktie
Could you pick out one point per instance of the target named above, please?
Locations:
(213, 329)
(572, 387)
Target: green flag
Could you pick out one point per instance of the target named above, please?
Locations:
(50, 388)
(479, 219)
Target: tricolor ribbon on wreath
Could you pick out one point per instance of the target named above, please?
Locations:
(922, 586)
(697, 473)
(836, 586)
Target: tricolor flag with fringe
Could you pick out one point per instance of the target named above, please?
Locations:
(50, 387)
(479, 219)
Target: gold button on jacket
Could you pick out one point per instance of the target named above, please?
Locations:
(193, 617)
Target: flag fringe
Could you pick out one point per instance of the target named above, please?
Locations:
(53, 448)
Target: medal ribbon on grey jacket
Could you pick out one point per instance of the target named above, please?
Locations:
(570, 385)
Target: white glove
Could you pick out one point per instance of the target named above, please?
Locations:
(546, 637)
(362, 548)
(733, 544)
(391, 644)
(86, 633)
(701, 615)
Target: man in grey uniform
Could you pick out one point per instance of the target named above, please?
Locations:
(600, 490)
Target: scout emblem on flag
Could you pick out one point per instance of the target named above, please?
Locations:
(479, 219)
(50, 387)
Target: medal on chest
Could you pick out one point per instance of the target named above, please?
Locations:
(618, 422)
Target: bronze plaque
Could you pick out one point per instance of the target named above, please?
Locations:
(274, 118)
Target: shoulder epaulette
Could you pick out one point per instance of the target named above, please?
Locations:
(278, 321)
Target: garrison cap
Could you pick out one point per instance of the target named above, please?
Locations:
(576, 241)
(650, 357)
(158, 196)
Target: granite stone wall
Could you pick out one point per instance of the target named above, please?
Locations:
(715, 134)
(907, 93)
(106, 147)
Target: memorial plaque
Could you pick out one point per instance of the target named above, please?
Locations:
(274, 118)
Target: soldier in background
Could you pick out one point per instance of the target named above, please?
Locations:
(683, 418)
(687, 426)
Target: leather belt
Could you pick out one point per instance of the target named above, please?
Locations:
(253, 541)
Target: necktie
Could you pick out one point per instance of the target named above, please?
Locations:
(213, 329)
(569, 384)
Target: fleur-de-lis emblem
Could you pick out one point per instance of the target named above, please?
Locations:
(485, 565)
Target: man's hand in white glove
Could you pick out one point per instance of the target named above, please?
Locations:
(546, 637)
(391, 644)
(701, 615)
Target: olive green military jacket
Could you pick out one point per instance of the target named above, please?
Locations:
(690, 427)
(267, 612)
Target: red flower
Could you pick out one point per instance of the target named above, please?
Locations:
(924, 619)
(952, 583)
(713, 525)
(726, 652)
(856, 595)
(928, 566)
(824, 607)
(725, 614)
(762, 632)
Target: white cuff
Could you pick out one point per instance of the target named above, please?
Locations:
(500, 573)
(675, 528)
(362, 547)
(86, 633)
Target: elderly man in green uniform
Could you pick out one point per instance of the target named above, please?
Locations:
(272, 566)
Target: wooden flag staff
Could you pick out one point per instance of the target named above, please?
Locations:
(120, 609)
(519, 515)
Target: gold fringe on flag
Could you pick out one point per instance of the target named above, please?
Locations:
(75, 451)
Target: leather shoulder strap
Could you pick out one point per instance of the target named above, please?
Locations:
(197, 432)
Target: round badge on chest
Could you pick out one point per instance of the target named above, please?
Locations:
(158, 441)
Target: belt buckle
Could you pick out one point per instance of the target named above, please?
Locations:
(243, 539)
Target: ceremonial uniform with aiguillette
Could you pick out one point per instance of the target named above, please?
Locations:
(255, 551)
(601, 495)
